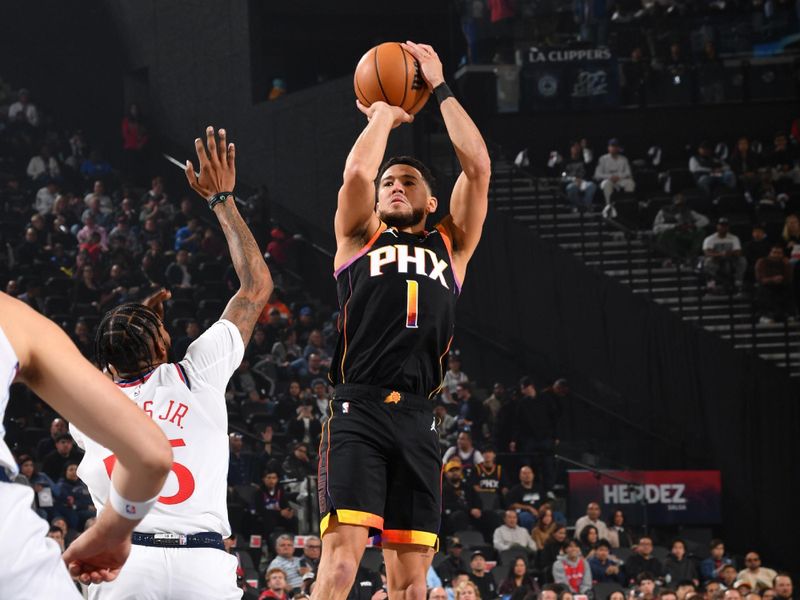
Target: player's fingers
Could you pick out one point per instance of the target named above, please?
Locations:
(202, 155)
(190, 176)
(211, 142)
(223, 146)
(362, 108)
(231, 156)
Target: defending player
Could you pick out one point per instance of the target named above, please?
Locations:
(36, 352)
(177, 550)
(380, 465)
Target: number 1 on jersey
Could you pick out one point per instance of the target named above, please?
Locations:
(412, 306)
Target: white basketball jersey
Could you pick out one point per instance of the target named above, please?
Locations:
(9, 364)
(187, 400)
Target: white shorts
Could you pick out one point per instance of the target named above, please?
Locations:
(155, 573)
(30, 563)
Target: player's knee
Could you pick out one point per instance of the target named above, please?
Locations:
(413, 591)
(343, 572)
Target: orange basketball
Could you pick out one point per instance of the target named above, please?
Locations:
(389, 73)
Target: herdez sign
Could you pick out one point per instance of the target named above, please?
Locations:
(670, 497)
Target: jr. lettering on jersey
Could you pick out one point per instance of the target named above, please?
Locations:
(174, 413)
(420, 260)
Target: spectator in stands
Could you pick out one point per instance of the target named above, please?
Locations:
(179, 273)
(308, 369)
(495, 401)
(135, 138)
(783, 586)
(469, 455)
(727, 576)
(100, 198)
(592, 517)
(605, 568)
(774, 294)
(760, 578)
(446, 425)
(29, 252)
(645, 585)
(297, 465)
(23, 111)
(711, 75)
(285, 559)
(452, 378)
(288, 404)
(679, 229)
(536, 432)
(511, 535)
(524, 497)
(55, 533)
(579, 187)
(461, 506)
(72, 499)
(667, 594)
(545, 525)
(48, 444)
(635, 78)
(710, 173)
(782, 160)
(678, 566)
(518, 581)
(270, 455)
(54, 463)
(452, 564)
(95, 166)
(758, 247)
(277, 585)
(643, 561)
(588, 540)
(487, 476)
(467, 590)
(46, 196)
(572, 569)
(306, 427)
(711, 567)
(272, 505)
(240, 462)
(723, 257)
(553, 548)
(791, 237)
(472, 415)
(711, 588)
(242, 557)
(191, 333)
(614, 173)
(745, 165)
(82, 338)
(189, 236)
(478, 575)
(312, 551)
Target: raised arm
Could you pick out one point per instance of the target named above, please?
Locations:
(356, 220)
(53, 368)
(470, 199)
(215, 184)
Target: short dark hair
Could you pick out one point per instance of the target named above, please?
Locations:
(525, 382)
(570, 542)
(714, 543)
(604, 543)
(665, 591)
(427, 176)
(645, 576)
(63, 436)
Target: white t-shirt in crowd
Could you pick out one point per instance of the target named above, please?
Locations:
(722, 244)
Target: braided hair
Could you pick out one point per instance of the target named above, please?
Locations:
(127, 338)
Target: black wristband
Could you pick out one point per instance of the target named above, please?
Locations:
(218, 199)
(442, 92)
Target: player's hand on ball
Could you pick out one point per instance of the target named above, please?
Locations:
(217, 165)
(399, 116)
(429, 62)
(95, 557)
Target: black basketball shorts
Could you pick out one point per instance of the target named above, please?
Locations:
(380, 465)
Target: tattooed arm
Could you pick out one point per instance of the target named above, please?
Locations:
(218, 174)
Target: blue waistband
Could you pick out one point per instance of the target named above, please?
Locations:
(205, 539)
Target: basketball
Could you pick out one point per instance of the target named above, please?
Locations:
(389, 73)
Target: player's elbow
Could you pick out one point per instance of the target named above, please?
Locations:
(357, 173)
(480, 169)
(156, 462)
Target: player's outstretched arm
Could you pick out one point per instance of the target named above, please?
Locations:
(356, 220)
(470, 199)
(218, 175)
(53, 368)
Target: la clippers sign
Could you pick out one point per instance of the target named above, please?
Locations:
(669, 497)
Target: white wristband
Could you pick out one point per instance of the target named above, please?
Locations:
(128, 508)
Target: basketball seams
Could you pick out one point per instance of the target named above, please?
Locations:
(378, 76)
(405, 75)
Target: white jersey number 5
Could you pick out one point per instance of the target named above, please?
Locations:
(185, 478)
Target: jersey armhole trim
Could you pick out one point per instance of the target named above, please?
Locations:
(182, 374)
(449, 245)
(364, 249)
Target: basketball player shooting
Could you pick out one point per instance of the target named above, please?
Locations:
(36, 352)
(177, 550)
(380, 466)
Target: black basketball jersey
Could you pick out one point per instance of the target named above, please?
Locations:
(397, 300)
